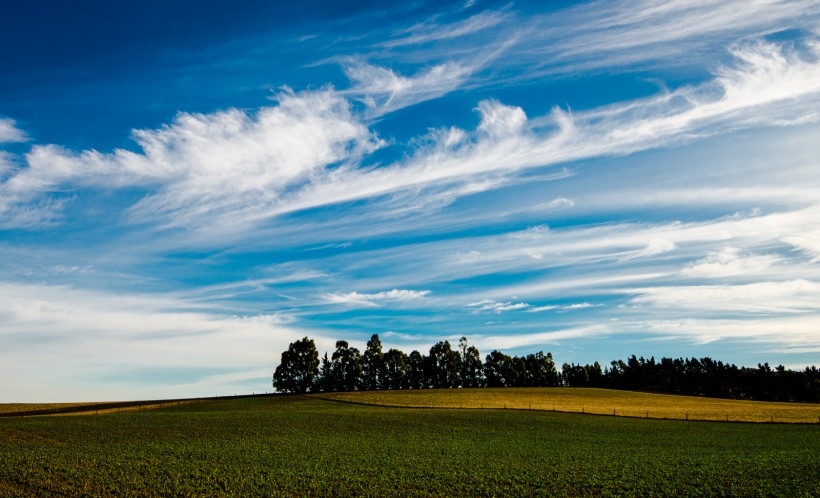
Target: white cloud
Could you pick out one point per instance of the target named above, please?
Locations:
(384, 91)
(563, 308)
(729, 262)
(797, 333)
(231, 170)
(434, 32)
(357, 299)
(217, 169)
(653, 248)
(496, 307)
(90, 339)
(499, 121)
(607, 34)
(504, 342)
(793, 296)
(766, 84)
(807, 241)
(9, 133)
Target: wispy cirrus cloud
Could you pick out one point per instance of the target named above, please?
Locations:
(433, 31)
(488, 305)
(203, 167)
(597, 35)
(795, 333)
(759, 90)
(233, 169)
(601, 34)
(383, 91)
(488, 342)
(562, 308)
(793, 296)
(729, 262)
(358, 299)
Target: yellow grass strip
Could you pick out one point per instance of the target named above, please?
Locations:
(136, 408)
(30, 407)
(89, 407)
(593, 401)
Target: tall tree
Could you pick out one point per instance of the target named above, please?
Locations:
(498, 370)
(472, 369)
(324, 382)
(416, 378)
(298, 367)
(346, 367)
(395, 370)
(541, 371)
(444, 365)
(373, 364)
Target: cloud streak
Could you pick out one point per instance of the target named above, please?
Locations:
(378, 299)
(232, 169)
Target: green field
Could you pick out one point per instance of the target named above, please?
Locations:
(302, 445)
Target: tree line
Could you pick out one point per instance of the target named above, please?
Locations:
(348, 369)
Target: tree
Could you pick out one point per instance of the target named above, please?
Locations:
(346, 367)
(373, 364)
(324, 382)
(415, 371)
(541, 371)
(444, 365)
(498, 370)
(298, 367)
(472, 370)
(395, 370)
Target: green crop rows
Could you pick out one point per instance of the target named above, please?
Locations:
(303, 446)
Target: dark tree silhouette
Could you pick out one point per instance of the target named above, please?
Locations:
(444, 366)
(416, 378)
(395, 370)
(346, 367)
(373, 364)
(498, 370)
(472, 370)
(541, 371)
(324, 381)
(298, 368)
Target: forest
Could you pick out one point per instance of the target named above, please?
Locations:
(348, 369)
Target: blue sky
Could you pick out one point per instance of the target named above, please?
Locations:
(187, 188)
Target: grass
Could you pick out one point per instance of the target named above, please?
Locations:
(595, 401)
(303, 445)
(25, 407)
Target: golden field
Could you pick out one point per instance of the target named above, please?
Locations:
(26, 407)
(592, 401)
(91, 407)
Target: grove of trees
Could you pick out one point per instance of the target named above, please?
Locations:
(300, 370)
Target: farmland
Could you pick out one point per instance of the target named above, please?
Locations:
(594, 401)
(285, 445)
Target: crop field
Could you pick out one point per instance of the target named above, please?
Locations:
(303, 445)
(595, 401)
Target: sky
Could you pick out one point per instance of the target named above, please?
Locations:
(188, 187)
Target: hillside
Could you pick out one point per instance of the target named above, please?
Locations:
(589, 400)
